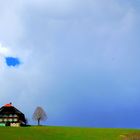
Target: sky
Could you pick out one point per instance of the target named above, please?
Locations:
(77, 59)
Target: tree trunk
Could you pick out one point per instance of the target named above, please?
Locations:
(38, 121)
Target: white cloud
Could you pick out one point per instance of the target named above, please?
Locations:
(4, 51)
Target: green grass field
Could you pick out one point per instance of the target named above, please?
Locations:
(61, 133)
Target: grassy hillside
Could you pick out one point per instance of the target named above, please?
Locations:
(61, 133)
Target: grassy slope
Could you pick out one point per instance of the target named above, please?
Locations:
(61, 133)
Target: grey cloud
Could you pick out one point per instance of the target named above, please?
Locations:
(66, 48)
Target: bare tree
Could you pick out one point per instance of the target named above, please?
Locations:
(39, 115)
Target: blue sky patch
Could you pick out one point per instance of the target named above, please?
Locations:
(12, 61)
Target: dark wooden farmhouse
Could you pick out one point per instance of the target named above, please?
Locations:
(10, 116)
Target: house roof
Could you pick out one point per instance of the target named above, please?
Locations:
(8, 105)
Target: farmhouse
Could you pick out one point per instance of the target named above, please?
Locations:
(10, 116)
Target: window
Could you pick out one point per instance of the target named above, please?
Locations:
(5, 120)
(10, 120)
(10, 115)
(15, 119)
(5, 115)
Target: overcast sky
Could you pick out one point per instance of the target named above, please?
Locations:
(79, 60)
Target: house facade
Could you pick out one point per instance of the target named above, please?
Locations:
(10, 116)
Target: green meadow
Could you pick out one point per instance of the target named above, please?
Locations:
(62, 133)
